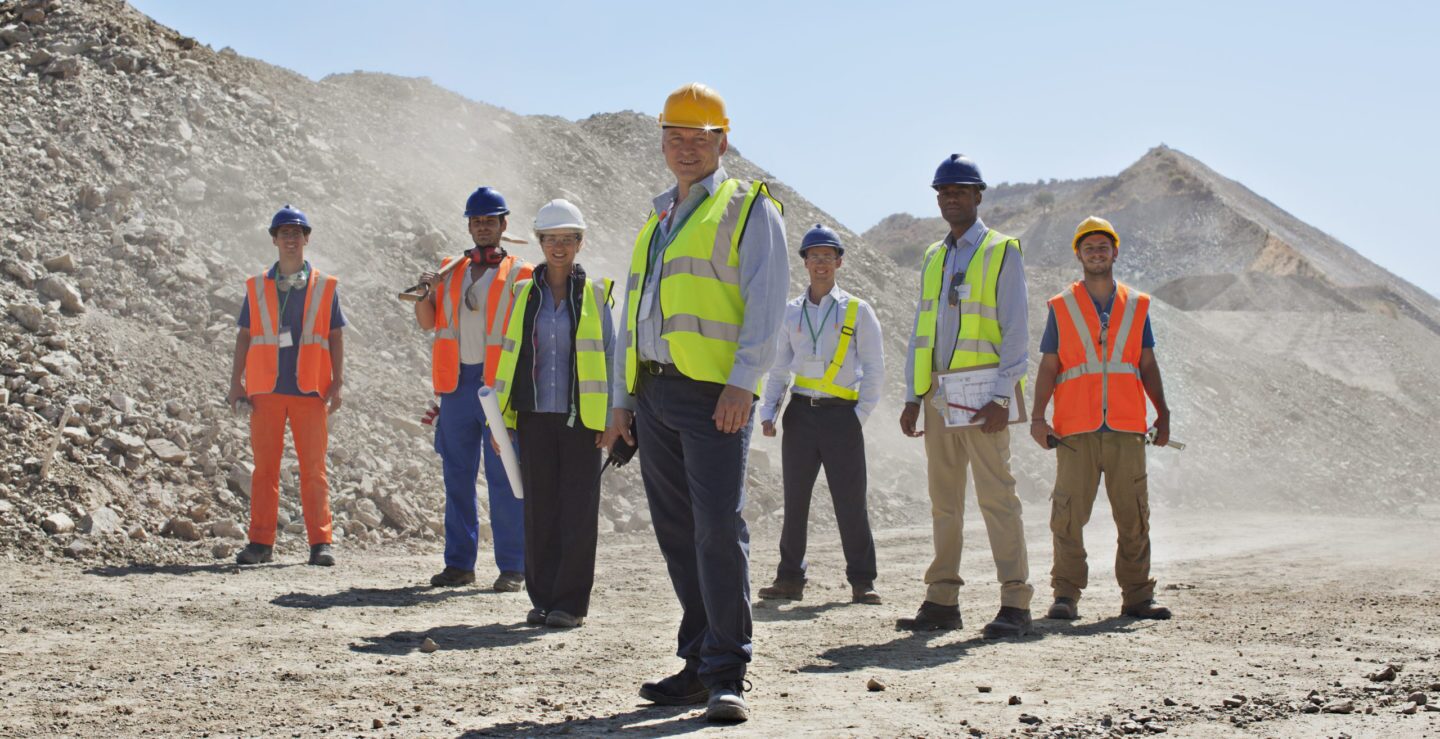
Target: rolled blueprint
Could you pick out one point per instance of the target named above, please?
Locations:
(496, 421)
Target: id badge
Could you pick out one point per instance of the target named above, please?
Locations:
(963, 291)
(812, 366)
(286, 340)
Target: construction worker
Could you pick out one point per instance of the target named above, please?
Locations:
(972, 313)
(289, 365)
(831, 344)
(1098, 358)
(552, 386)
(706, 295)
(468, 311)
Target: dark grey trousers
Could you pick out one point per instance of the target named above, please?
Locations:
(560, 468)
(828, 436)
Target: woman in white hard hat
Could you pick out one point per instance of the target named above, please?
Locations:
(553, 385)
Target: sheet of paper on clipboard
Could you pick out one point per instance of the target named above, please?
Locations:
(958, 394)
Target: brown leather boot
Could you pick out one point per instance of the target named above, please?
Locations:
(1148, 609)
(783, 590)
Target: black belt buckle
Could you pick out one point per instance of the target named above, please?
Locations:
(813, 401)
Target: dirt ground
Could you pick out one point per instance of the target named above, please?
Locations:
(1290, 613)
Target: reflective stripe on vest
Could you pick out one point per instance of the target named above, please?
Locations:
(312, 365)
(701, 309)
(445, 348)
(590, 371)
(978, 336)
(1099, 385)
(827, 384)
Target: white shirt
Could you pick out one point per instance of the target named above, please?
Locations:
(472, 322)
(798, 353)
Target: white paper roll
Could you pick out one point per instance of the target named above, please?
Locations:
(496, 421)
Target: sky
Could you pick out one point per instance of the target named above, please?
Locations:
(1321, 107)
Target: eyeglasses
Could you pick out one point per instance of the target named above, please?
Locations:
(821, 258)
(955, 283)
(559, 239)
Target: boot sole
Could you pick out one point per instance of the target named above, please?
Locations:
(993, 636)
(661, 699)
(910, 624)
(727, 713)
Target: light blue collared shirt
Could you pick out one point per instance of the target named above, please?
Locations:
(764, 281)
(554, 335)
(863, 367)
(1012, 311)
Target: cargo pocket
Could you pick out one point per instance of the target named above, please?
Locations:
(1060, 514)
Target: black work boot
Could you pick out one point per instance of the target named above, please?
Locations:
(727, 703)
(451, 577)
(932, 617)
(1010, 621)
(322, 555)
(865, 593)
(1147, 609)
(681, 689)
(255, 554)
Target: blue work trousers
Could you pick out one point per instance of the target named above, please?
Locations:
(695, 482)
(462, 439)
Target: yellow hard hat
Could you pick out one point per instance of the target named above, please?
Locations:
(695, 106)
(1092, 225)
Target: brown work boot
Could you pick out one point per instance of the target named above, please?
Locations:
(932, 617)
(864, 594)
(1010, 621)
(451, 577)
(1146, 609)
(1064, 609)
(255, 554)
(509, 582)
(783, 590)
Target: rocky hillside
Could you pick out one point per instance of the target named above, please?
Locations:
(140, 169)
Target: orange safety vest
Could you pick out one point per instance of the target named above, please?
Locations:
(262, 361)
(445, 350)
(1099, 380)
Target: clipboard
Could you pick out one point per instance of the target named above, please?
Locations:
(965, 393)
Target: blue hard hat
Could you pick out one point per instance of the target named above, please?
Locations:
(287, 216)
(958, 169)
(486, 201)
(821, 236)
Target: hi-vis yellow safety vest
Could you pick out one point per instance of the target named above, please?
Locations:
(978, 342)
(701, 310)
(591, 373)
(827, 384)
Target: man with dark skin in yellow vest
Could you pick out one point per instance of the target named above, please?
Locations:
(705, 297)
(971, 315)
(1098, 362)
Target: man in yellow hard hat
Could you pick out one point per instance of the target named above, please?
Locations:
(705, 297)
(971, 315)
(1098, 360)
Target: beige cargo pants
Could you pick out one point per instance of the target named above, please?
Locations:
(1121, 458)
(988, 456)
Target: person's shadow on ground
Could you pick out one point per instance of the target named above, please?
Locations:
(460, 636)
(219, 568)
(913, 651)
(646, 720)
(771, 612)
(410, 595)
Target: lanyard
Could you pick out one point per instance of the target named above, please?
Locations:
(815, 332)
(305, 275)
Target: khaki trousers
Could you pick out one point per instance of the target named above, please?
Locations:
(1121, 458)
(988, 456)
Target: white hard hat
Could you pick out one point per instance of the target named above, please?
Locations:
(557, 214)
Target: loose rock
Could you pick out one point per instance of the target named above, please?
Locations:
(874, 685)
(428, 645)
(57, 523)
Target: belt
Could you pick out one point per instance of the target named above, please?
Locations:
(661, 369)
(822, 402)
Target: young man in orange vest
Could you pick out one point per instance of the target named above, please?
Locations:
(1099, 362)
(289, 365)
(468, 310)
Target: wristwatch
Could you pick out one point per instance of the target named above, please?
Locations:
(1001, 400)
